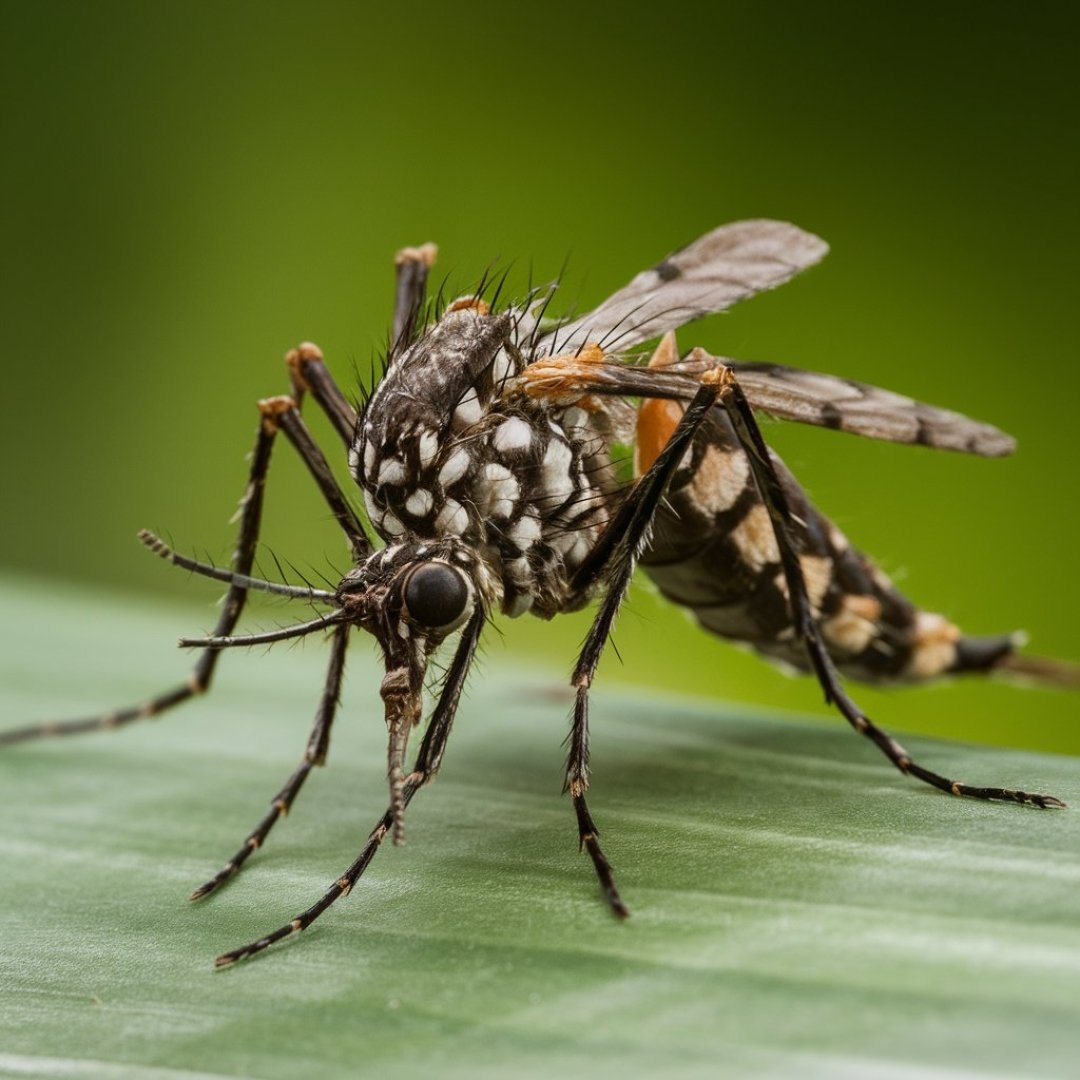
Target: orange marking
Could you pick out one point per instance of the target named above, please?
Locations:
(657, 417)
(564, 378)
(656, 422)
(469, 303)
(295, 359)
(273, 407)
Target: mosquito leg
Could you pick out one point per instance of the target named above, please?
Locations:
(613, 558)
(199, 681)
(772, 493)
(309, 373)
(277, 413)
(315, 754)
(428, 760)
(287, 416)
(411, 268)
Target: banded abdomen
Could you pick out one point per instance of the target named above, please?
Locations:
(713, 551)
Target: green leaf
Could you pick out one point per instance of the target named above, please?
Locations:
(799, 908)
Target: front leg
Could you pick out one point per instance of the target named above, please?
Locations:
(428, 761)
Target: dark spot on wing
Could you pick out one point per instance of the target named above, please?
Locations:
(831, 417)
(667, 270)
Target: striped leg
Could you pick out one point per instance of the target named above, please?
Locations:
(772, 493)
(578, 376)
(428, 760)
(613, 558)
(315, 754)
(277, 413)
(199, 681)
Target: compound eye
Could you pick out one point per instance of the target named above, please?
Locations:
(436, 596)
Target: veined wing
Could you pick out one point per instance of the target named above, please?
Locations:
(789, 393)
(718, 269)
(846, 405)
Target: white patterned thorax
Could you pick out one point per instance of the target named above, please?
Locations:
(439, 453)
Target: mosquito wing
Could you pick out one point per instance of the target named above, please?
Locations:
(846, 405)
(720, 268)
(785, 392)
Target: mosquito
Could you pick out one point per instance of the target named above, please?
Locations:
(487, 459)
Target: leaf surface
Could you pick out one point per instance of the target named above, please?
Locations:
(798, 907)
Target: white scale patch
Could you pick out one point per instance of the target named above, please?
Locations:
(427, 447)
(496, 491)
(512, 434)
(391, 524)
(453, 519)
(575, 420)
(573, 545)
(555, 478)
(391, 472)
(469, 411)
(419, 503)
(454, 468)
(502, 367)
(524, 532)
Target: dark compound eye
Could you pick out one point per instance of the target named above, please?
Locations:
(436, 596)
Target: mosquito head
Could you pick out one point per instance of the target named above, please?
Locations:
(410, 596)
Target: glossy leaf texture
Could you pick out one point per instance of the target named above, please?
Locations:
(798, 907)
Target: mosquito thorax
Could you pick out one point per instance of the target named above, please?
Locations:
(445, 450)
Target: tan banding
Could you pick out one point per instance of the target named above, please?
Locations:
(295, 359)
(755, 539)
(817, 576)
(854, 626)
(719, 480)
(934, 649)
(425, 253)
(272, 408)
(470, 303)
(866, 607)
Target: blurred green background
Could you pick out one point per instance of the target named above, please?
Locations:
(192, 188)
